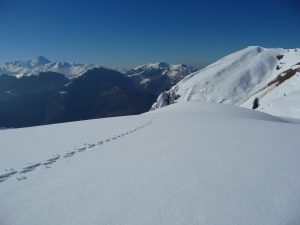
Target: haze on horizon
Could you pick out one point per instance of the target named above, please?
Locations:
(128, 33)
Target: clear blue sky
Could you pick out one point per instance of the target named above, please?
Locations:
(125, 33)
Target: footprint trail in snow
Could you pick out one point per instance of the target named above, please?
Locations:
(21, 174)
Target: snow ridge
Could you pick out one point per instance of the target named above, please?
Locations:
(239, 78)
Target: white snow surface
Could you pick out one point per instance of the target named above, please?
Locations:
(282, 100)
(238, 78)
(41, 64)
(188, 163)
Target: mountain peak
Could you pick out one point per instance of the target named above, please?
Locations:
(163, 68)
(40, 60)
(162, 64)
(255, 77)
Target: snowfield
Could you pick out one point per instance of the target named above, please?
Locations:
(188, 163)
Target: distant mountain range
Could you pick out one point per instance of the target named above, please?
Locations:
(36, 92)
(39, 91)
(42, 64)
(152, 78)
(264, 79)
(157, 77)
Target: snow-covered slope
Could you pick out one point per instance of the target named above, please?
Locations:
(240, 77)
(188, 163)
(281, 95)
(41, 64)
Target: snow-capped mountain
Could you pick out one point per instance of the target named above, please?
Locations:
(51, 98)
(188, 163)
(176, 71)
(160, 76)
(97, 92)
(270, 75)
(42, 64)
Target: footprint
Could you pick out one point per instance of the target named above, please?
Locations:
(30, 168)
(81, 149)
(69, 154)
(52, 160)
(21, 178)
(5, 176)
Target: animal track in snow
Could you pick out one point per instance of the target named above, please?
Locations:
(81, 149)
(30, 168)
(51, 160)
(5, 176)
(54, 159)
(21, 178)
(69, 154)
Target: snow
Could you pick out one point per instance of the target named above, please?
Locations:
(157, 65)
(283, 101)
(240, 77)
(145, 81)
(42, 64)
(188, 163)
(41, 60)
(170, 70)
(230, 79)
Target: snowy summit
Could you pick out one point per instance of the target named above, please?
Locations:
(272, 76)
